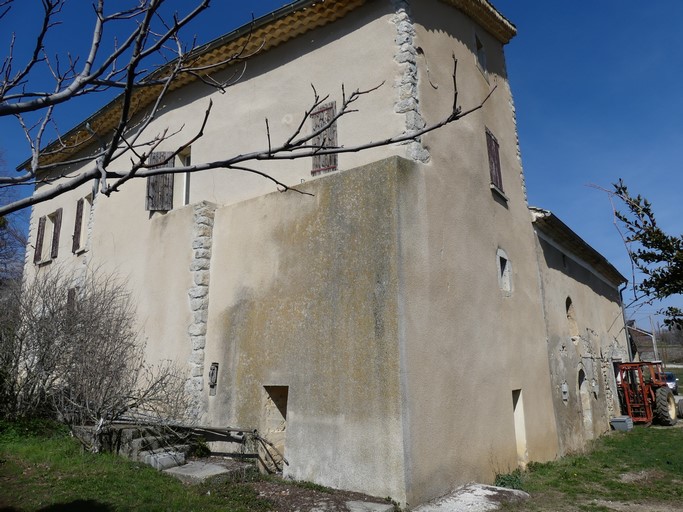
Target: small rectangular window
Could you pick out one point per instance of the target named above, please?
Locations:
(160, 186)
(494, 161)
(480, 52)
(504, 272)
(326, 139)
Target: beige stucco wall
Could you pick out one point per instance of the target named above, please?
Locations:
(304, 294)
(376, 301)
(151, 254)
(65, 259)
(356, 52)
(591, 342)
(468, 345)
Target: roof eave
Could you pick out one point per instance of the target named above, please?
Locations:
(488, 17)
(550, 224)
(248, 39)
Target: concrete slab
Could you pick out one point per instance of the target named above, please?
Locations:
(164, 460)
(366, 506)
(196, 471)
(473, 498)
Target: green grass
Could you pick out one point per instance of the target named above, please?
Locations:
(641, 466)
(41, 466)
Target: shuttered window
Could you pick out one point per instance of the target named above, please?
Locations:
(494, 161)
(83, 211)
(325, 139)
(56, 228)
(160, 187)
(48, 225)
(37, 255)
(78, 227)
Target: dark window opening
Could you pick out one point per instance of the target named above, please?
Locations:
(481, 54)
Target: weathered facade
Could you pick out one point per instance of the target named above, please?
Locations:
(403, 330)
(585, 328)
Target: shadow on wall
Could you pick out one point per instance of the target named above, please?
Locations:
(555, 260)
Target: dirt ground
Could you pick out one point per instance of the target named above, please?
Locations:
(290, 497)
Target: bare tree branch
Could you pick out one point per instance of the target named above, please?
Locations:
(4, 7)
(296, 146)
(131, 137)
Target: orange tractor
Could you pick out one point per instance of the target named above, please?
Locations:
(644, 394)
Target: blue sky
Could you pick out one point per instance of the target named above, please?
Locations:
(597, 91)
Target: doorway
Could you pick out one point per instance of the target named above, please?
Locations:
(273, 428)
(520, 427)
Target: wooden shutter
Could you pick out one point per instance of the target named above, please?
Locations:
(160, 187)
(76, 245)
(57, 220)
(326, 139)
(39, 240)
(494, 160)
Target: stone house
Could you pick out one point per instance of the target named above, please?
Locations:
(410, 326)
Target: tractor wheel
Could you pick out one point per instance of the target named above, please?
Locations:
(665, 407)
(679, 408)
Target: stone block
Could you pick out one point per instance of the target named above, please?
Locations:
(406, 105)
(201, 230)
(196, 304)
(200, 254)
(200, 265)
(206, 220)
(198, 292)
(197, 330)
(203, 242)
(414, 121)
(201, 277)
(405, 57)
(403, 39)
(164, 460)
(197, 357)
(201, 316)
